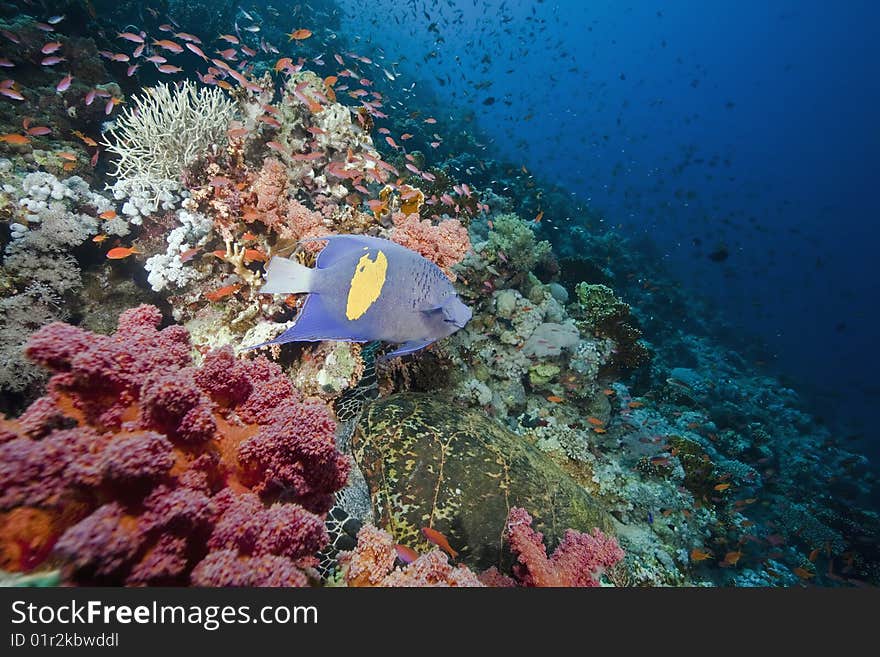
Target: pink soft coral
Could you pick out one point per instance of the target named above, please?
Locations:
(444, 244)
(578, 560)
(371, 563)
(302, 223)
(270, 193)
(287, 217)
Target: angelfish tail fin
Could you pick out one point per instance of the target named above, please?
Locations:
(285, 276)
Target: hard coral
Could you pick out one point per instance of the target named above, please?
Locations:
(166, 130)
(138, 468)
(607, 316)
(578, 560)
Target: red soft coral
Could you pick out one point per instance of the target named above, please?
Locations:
(228, 568)
(171, 402)
(102, 374)
(578, 561)
(294, 453)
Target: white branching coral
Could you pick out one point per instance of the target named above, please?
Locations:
(166, 129)
(167, 269)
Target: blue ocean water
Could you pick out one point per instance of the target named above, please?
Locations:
(746, 130)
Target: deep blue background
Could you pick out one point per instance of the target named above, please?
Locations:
(750, 125)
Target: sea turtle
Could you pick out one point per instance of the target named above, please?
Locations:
(423, 461)
(353, 507)
(430, 463)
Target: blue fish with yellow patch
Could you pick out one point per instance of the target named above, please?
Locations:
(367, 288)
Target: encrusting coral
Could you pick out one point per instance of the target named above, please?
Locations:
(138, 468)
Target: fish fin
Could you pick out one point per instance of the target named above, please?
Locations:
(285, 276)
(315, 323)
(442, 305)
(409, 347)
(339, 246)
(452, 311)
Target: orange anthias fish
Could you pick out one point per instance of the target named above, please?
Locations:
(169, 45)
(555, 399)
(283, 63)
(803, 573)
(700, 555)
(406, 554)
(15, 138)
(109, 214)
(216, 295)
(188, 255)
(86, 139)
(299, 34)
(721, 487)
(731, 558)
(376, 205)
(439, 540)
(596, 422)
(121, 252)
(255, 254)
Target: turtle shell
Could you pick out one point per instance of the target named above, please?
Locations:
(429, 463)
